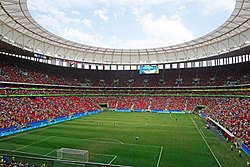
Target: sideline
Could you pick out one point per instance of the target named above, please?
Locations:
(206, 142)
(159, 159)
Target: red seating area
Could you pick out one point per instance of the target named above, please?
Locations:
(192, 103)
(125, 91)
(141, 103)
(176, 103)
(25, 71)
(232, 113)
(20, 111)
(125, 102)
(158, 103)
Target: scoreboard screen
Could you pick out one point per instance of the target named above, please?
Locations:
(149, 69)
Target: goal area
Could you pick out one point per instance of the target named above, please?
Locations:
(73, 154)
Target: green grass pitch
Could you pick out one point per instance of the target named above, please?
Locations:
(164, 140)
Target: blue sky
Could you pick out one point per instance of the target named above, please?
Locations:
(130, 24)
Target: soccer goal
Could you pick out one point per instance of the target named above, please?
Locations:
(73, 154)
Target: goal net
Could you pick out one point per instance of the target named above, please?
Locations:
(72, 154)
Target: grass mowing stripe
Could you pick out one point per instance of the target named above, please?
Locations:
(26, 153)
(228, 149)
(114, 141)
(33, 143)
(159, 159)
(143, 145)
(162, 131)
(206, 143)
(110, 140)
(27, 132)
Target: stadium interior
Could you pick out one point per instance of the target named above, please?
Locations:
(38, 89)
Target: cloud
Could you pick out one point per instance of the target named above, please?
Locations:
(122, 12)
(102, 13)
(154, 29)
(61, 16)
(75, 12)
(159, 32)
(212, 6)
(136, 2)
(38, 5)
(142, 43)
(66, 4)
(80, 36)
(53, 13)
(168, 29)
(87, 23)
(50, 23)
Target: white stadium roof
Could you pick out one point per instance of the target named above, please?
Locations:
(19, 29)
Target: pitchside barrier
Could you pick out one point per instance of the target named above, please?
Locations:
(226, 133)
(168, 111)
(139, 110)
(39, 124)
(123, 110)
(153, 111)
(246, 149)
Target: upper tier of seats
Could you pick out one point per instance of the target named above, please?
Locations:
(14, 69)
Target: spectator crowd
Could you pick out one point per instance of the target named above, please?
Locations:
(231, 113)
(14, 69)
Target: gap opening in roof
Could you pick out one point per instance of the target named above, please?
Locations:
(130, 24)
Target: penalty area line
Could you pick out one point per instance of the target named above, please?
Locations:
(206, 142)
(25, 146)
(108, 155)
(112, 160)
(50, 152)
(107, 140)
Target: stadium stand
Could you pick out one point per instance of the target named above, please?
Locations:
(177, 93)
(231, 113)
(19, 70)
(19, 112)
(34, 89)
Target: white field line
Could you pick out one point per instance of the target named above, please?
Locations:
(108, 155)
(118, 142)
(112, 160)
(111, 122)
(141, 145)
(206, 143)
(50, 152)
(33, 143)
(203, 134)
(214, 138)
(159, 159)
(103, 139)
